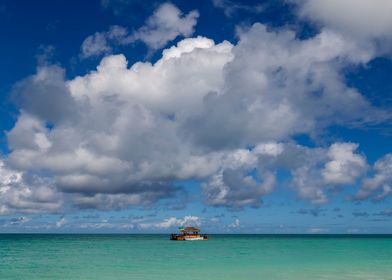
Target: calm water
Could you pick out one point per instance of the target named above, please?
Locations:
(222, 257)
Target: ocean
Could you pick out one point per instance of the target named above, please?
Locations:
(225, 257)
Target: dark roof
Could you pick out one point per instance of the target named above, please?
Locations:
(190, 229)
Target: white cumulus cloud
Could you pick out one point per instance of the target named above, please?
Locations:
(380, 184)
(366, 21)
(344, 165)
(26, 193)
(164, 25)
(221, 113)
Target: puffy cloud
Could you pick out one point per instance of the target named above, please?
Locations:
(367, 22)
(363, 18)
(123, 140)
(315, 172)
(125, 135)
(95, 45)
(322, 170)
(25, 193)
(344, 166)
(101, 42)
(45, 95)
(236, 189)
(164, 25)
(380, 184)
(240, 179)
(275, 78)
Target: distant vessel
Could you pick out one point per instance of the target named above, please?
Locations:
(188, 234)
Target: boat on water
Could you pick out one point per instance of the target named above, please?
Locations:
(188, 234)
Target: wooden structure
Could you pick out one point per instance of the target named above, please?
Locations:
(188, 234)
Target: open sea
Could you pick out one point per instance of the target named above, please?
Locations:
(294, 257)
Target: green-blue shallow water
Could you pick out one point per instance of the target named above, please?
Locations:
(222, 257)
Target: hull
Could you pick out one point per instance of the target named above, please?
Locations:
(181, 237)
(193, 238)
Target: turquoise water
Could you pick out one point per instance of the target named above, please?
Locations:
(222, 257)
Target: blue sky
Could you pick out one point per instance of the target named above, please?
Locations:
(235, 116)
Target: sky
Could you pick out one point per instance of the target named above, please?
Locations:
(122, 116)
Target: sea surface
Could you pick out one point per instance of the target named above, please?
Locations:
(296, 257)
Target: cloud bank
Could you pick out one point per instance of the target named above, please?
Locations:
(221, 113)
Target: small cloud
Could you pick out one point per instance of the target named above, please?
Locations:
(19, 220)
(60, 223)
(235, 224)
(230, 8)
(95, 45)
(164, 25)
(167, 23)
(379, 185)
